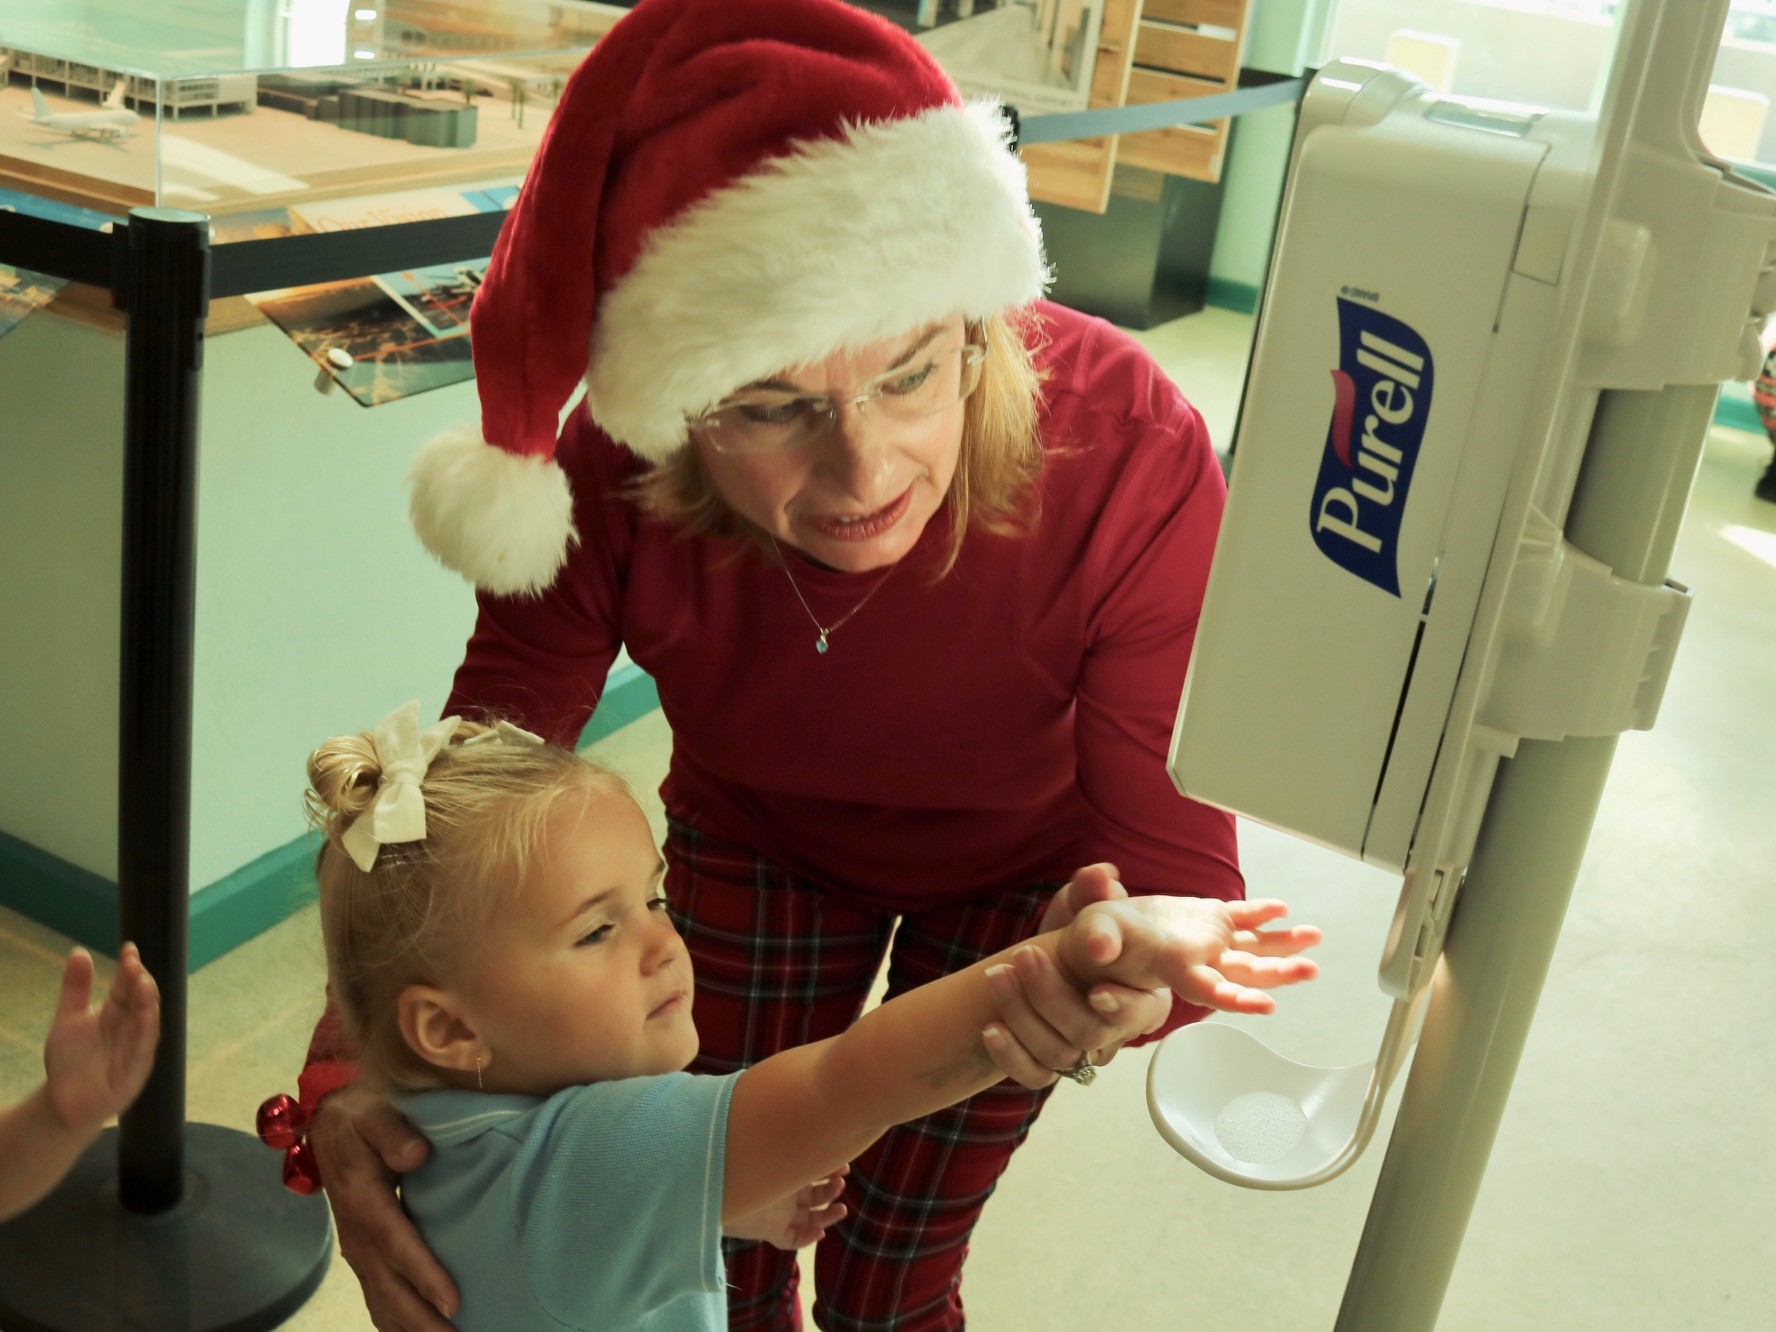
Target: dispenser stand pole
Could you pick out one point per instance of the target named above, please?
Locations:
(1640, 463)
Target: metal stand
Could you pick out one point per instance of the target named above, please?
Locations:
(1635, 483)
(161, 1224)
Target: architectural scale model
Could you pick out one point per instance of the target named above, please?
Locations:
(422, 96)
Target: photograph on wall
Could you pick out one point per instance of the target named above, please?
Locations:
(406, 332)
(395, 353)
(438, 297)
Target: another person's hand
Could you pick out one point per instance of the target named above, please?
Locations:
(798, 1220)
(96, 1060)
(1046, 1024)
(361, 1144)
(1210, 952)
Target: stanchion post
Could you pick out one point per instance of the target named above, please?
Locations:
(163, 1224)
(166, 298)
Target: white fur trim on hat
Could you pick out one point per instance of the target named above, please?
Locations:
(842, 243)
(502, 520)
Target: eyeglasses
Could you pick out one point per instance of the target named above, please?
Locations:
(763, 421)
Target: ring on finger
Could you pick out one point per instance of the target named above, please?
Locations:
(1084, 1072)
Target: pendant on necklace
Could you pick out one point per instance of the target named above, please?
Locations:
(820, 643)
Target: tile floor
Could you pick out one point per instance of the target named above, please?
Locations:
(1632, 1187)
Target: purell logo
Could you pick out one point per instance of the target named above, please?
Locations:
(1383, 382)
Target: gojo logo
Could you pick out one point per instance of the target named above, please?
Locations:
(1383, 395)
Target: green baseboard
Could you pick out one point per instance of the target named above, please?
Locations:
(628, 695)
(245, 903)
(52, 892)
(1231, 295)
(1733, 410)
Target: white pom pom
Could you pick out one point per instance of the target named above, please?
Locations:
(502, 520)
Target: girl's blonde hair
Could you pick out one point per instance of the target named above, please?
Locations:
(409, 919)
(995, 485)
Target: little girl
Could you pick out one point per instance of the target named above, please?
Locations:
(498, 944)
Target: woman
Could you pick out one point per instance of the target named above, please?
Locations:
(914, 559)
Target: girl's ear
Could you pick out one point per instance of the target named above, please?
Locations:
(436, 1029)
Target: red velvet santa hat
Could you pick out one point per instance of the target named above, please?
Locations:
(727, 190)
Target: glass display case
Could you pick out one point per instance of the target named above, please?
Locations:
(264, 110)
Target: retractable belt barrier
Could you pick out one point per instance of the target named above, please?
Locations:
(1274, 90)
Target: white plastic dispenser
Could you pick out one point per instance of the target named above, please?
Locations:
(1394, 603)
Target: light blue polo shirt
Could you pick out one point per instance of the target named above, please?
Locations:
(598, 1208)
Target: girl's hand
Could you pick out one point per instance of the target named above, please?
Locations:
(798, 1220)
(1045, 1022)
(1211, 952)
(361, 1143)
(97, 1061)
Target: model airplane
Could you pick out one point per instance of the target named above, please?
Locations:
(112, 121)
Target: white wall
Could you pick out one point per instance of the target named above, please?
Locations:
(1547, 59)
(61, 510)
(317, 610)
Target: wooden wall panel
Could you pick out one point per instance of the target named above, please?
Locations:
(1210, 13)
(1183, 51)
(1077, 174)
(1184, 151)
(1148, 51)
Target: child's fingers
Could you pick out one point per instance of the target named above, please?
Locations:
(1209, 987)
(1266, 972)
(77, 979)
(1278, 943)
(1103, 939)
(127, 979)
(1259, 911)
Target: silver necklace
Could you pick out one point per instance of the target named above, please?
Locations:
(826, 630)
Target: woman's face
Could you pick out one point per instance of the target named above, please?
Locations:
(858, 497)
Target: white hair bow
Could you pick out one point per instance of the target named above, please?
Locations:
(504, 733)
(398, 813)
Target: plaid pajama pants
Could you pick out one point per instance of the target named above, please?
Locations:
(780, 963)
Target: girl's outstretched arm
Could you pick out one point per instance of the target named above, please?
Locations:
(96, 1063)
(801, 1114)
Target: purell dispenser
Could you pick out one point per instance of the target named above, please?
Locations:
(1396, 601)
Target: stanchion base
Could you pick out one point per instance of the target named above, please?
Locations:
(238, 1254)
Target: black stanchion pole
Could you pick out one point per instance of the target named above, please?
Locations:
(166, 294)
(162, 1224)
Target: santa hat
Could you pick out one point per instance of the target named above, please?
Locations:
(727, 190)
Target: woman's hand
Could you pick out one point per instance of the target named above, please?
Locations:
(1046, 1024)
(361, 1143)
(796, 1221)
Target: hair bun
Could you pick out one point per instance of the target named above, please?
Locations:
(343, 776)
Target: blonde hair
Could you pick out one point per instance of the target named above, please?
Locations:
(995, 485)
(408, 919)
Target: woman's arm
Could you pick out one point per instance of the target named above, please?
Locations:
(802, 1113)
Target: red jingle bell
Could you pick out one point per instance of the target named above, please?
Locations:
(281, 1122)
(301, 1174)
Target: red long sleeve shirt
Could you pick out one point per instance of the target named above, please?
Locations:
(1003, 723)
